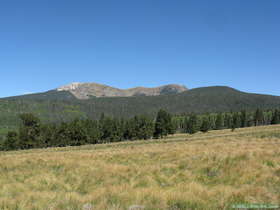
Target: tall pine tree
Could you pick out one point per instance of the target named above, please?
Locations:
(258, 117)
(192, 124)
(275, 117)
(163, 124)
(29, 131)
(205, 126)
(219, 122)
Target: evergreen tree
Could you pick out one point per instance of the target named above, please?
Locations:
(191, 124)
(275, 117)
(101, 125)
(219, 122)
(258, 117)
(212, 121)
(122, 128)
(163, 125)
(107, 129)
(93, 131)
(144, 127)
(29, 120)
(11, 141)
(205, 125)
(236, 120)
(77, 133)
(171, 125)
(228, 120)
(117, 134)
(29, 131)
(130, 132)
(244, 119)
(61, 136)
(47, 135)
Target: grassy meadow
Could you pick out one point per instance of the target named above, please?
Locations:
(201, 171)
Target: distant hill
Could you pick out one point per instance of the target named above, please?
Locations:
(83, 91)
(63, 105)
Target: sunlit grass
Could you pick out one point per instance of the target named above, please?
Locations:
(203, 171)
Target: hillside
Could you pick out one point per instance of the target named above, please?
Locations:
(63, 106)
(203, 171)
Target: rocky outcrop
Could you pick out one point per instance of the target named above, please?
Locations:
(88, 90)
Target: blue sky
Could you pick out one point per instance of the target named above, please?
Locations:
(48, 43)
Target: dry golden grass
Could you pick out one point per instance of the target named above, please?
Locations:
(203, 171)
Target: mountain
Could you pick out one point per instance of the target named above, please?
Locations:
(88, 90)
(63, 105)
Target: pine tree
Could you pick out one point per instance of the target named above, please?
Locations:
(107, 129)
(205, 125)
(171, 124)
(77, 133)
(61, 136)
(219, 122)
(191, 124)
(275, 117)
(47, 133)
(101, 125)
(163, 125)
(11, 141)
(258, 117)
(122, 127)
(144, 127)
(244, 119)
(228, 120)
(236, 120)
(29, 131)
(117, 134)
(212, 121)
(130, 129)
(92, 130)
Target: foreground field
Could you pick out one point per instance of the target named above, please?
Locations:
(203, 171)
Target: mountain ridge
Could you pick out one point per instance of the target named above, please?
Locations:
(88, 90)
(60, 106)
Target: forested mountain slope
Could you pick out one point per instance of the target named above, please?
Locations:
(59, 106)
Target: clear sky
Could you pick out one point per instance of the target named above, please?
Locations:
(125, 43)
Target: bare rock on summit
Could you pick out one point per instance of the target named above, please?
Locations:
(88, 90)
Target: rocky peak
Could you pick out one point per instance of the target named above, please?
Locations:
(87, 90)
(69, 87)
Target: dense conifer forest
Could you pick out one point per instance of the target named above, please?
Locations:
(32, 133)
(56, 107)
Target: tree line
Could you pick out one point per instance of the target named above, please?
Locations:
(231, 120)
(32, 133)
